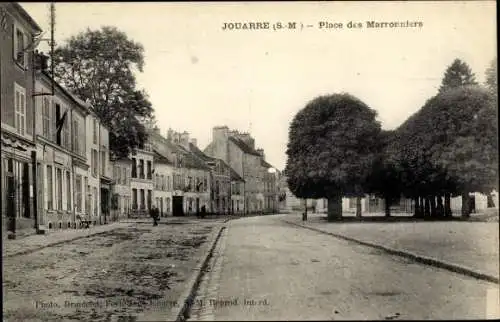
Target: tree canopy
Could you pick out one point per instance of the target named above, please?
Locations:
(99, 66)
(457, 74)
(492, 77)
(333, 143)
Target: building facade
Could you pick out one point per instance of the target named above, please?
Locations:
(17, 79)
(238, 151)
(141, 180)
(62, 161)
(163, 187)
(121, 202)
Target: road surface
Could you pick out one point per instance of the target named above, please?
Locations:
(266, 269)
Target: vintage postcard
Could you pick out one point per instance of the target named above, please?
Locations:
(187, 161)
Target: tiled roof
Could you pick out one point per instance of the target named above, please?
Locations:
(190, 160)
(199, 153)
(243, 146)
(265, 164)
(235, 176)
(159, 158)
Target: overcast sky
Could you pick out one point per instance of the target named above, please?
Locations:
(199, 76)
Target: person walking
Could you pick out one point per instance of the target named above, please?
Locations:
(154, 214)
(203, 211)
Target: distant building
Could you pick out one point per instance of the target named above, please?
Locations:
(190, 176)
(163, 188)
(238, 151)
(141, 180)
(122, 193)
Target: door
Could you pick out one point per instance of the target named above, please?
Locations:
(177, 209)
(11, 203)
(197, 205)
(40, 200)
(161, 206)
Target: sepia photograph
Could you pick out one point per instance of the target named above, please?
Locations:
(249, 161)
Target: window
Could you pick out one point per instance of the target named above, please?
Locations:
(134, 198)
(149, 199)
(46, 118)
(65, 132)
(78, 187)
(141, 169)
(149, 170)
(103, 163)
(168, 204)
(76, 137)
(94, 162)
(143, 199)
(94, 136)
(68, 190)
(59, 181)
(118, 173)
(20, 104)
(87, 193)
(95, 202)
(134, 168)
(20, 43)
(124, 175)
(50, 188)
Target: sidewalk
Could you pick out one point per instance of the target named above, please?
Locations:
(470, 245)
(32, 243)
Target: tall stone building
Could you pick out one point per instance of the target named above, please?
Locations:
(239, 152)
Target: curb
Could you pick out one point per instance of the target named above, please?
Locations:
(181, 312)
(417, 258)
(32, 250)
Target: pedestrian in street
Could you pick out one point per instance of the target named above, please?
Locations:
(154, 214)
(203, 211)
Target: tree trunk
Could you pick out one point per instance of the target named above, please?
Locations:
(465, 204)
(334, 207)
(447, 205)
(433, 206)
(427, 207)
(416, 211)
(440, 207)
(387, 206)
(358, 207)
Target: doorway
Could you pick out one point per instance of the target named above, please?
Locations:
(177, 206)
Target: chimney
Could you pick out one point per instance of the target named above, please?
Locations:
(245, 137)
(170, 134)
(184, 139)
(194, 142)
(220, 133)
(261, 152)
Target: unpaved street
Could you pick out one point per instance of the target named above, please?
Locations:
(266, 269)
(132, 271)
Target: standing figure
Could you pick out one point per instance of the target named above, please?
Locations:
(154, 214)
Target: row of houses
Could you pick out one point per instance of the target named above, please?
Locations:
(173, 174)
(55, 156)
